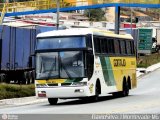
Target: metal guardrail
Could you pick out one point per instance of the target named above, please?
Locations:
(32, 5)
(28, 6)
(2, 14)
(15, 7)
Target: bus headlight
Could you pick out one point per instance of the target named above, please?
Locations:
(79, 91)
(79, 83)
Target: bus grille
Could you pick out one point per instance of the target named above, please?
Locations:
(65, 84)
(53, 84)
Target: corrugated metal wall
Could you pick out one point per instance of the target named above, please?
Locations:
(18, 44)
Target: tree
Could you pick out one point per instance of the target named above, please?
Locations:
(95, 14)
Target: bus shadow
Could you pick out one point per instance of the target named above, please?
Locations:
(80, 101)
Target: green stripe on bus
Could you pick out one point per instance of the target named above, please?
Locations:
(107, 71)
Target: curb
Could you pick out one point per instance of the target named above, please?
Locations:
(21, 101)
(144, 71)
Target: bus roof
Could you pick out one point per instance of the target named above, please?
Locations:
(82, 31)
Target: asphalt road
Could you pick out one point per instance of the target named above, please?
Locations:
(144, 99)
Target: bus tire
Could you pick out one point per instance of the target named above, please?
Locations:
(116, 94)
(52, 101)
(129, 83)
(97, 91)
(1, 78)
(23, 81)
(32, 76)
(125, 91)
(7, 79)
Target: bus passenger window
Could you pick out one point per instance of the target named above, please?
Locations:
(89, 41)
(117, 46)
(132, 48)
(90, 65)
(110, 45)
(128, 46)
(97, 45)
(123, 47)
(104, 46)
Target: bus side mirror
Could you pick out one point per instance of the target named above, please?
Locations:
(90, 51)
(136, 20)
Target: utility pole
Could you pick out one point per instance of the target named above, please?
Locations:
(131, 20)
(117, 19)
(58, 7)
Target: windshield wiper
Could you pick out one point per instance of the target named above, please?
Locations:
(50, 71)
(63, 66)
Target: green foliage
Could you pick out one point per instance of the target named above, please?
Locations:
(154, 10)
(95, 14)
(148, 60)
(15, 91)
(125, 12)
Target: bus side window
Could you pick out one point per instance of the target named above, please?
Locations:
(110, 46)
(90, 64)
(128, 46)
(97, 45)
(89, 41)
(123, 47)
(117, 46)
(103, 46)
(132, 47)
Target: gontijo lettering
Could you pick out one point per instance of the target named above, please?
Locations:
(119, 62)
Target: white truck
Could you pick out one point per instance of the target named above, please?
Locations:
(158, 39)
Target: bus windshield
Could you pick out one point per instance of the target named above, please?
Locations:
(61, 42)
(64, 64)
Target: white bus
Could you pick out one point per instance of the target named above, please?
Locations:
(84, 63)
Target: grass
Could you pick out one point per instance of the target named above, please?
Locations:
(148, 60)
(15, 91)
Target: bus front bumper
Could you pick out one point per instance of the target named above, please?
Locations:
(64, 92)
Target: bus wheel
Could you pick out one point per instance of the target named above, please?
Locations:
(97, 91)
(32, 76)
(52, 101)
(125, 91)
(27, 77)
(7, 79)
